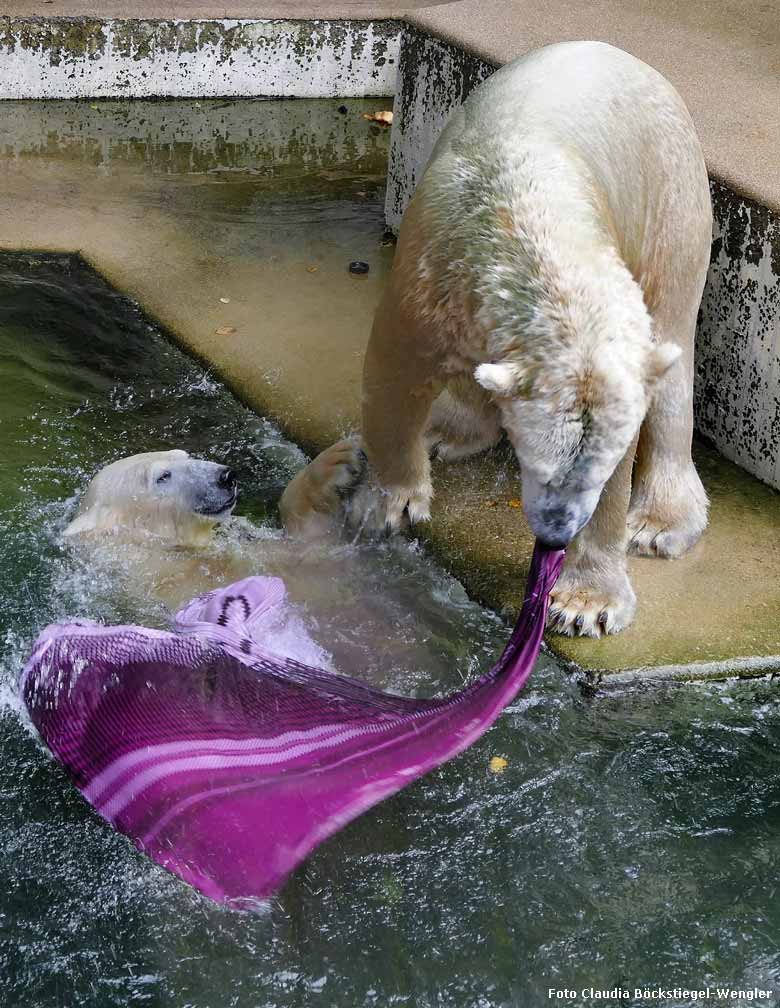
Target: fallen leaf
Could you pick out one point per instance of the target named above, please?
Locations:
(225, 300)
(491, 504)
(312, 269)
(225, 330)
(385, 118)
(498, 764)
(515, 503)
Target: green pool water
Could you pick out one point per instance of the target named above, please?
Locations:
(633, 839)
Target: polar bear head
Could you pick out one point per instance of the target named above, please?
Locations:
(163, 494)
(571, 418)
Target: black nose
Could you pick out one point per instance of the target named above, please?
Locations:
(227, 478)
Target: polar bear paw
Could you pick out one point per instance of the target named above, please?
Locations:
(668, 519)
(315, 497)
(591, 603)
(336, 470)
(374, 509)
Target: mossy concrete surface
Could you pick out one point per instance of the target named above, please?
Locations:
(98, 58)
(232, 223)
(304, 10)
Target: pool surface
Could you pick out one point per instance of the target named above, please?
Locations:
(632, 839)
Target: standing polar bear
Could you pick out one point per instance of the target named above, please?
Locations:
(546, 282)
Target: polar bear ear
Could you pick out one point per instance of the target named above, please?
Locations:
(661, 359)
(500, 379)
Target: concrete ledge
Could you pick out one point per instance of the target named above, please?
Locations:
(97, 58)
(736, 668)
(148, 10)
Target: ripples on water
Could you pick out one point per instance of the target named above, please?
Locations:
(633, 839)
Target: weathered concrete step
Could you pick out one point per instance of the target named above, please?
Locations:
(50, 56)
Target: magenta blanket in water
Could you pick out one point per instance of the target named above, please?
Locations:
(227, 761)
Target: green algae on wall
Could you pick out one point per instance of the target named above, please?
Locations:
(64, 40)
(737, 391)
(434, 78)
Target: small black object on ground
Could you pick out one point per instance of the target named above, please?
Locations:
(359, 267)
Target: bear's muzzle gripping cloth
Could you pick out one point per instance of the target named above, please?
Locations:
(227, 762)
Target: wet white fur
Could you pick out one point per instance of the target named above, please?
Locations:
(122, 499)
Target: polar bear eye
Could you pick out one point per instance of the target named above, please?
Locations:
(164, 477)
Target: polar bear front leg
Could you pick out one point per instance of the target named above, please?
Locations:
(668, 510)
(398, 485)
(593, 595)
(401, 380)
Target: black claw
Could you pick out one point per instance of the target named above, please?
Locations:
(603, 617)
(579, 622)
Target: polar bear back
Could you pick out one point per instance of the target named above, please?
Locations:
(605, 125)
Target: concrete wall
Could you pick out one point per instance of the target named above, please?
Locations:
(433, 79)
(192, 136)
(737, 392)
(90, 58)
(738, 342)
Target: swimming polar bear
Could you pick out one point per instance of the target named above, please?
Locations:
(170, 496)
(165, 494)
(546, 282)
(156, 514)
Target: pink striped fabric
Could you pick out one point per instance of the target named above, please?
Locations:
(226, 761)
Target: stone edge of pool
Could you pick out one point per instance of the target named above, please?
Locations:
(56, 57)
(739, 668)
(94, 57)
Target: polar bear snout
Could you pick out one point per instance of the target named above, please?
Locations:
(556, 515)
(214, 489)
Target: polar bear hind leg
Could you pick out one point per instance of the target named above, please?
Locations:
(463, 421)
(668, 510)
